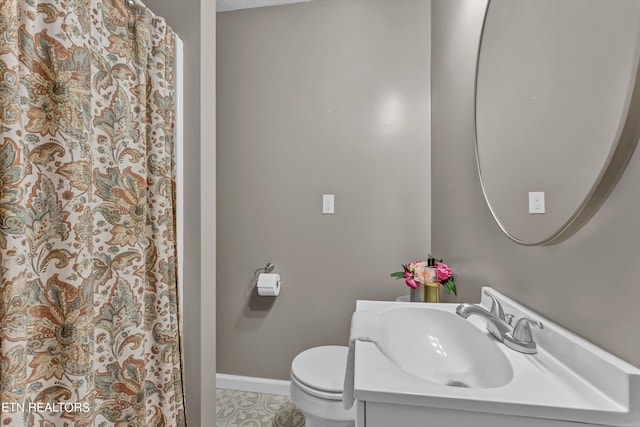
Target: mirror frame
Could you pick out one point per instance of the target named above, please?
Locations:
(614, 166)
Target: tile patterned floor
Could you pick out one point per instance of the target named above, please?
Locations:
(247, 409)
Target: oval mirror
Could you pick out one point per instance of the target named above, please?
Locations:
(557, 110)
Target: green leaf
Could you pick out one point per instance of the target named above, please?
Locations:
(450, 286)
(446, 287)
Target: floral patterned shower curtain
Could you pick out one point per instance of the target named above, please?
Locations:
(89, 313)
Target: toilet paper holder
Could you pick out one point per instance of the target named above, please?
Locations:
(266, 269)
(267, 283)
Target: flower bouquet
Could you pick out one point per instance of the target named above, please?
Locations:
(417, 273)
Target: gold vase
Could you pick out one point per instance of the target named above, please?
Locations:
(431, 292)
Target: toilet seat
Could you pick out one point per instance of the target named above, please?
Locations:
(320, 371)
(316, 393)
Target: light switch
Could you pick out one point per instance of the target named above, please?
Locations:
(328, 204)
(536, 202)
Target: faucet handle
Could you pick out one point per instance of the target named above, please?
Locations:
(496, 307)
(522, 330)
(521, 338)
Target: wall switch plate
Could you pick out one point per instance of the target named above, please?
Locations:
(328, 204)
(536, 202)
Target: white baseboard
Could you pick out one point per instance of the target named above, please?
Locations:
(253, 384)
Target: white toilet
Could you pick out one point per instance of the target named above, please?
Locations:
(317, 379)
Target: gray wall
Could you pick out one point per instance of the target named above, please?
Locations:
(589, 283)
(322, 97)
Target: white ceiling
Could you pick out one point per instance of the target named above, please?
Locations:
(225, 5)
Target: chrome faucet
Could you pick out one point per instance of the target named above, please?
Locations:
(496, 326)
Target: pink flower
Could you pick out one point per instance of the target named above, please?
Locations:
(422, 273)
(444, 272)
(408, 279)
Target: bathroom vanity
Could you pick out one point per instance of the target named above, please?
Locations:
(450, 371)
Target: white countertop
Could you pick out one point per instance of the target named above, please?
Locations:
(544, 385)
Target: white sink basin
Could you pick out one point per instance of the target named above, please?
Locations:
(450, 370)
(443, 348)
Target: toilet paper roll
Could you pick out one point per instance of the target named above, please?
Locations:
(269, 285)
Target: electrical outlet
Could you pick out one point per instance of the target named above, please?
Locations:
(536, 202)
(328, 204)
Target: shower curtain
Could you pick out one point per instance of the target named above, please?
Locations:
(88, 301)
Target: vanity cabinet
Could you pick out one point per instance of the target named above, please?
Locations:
(378, 414)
